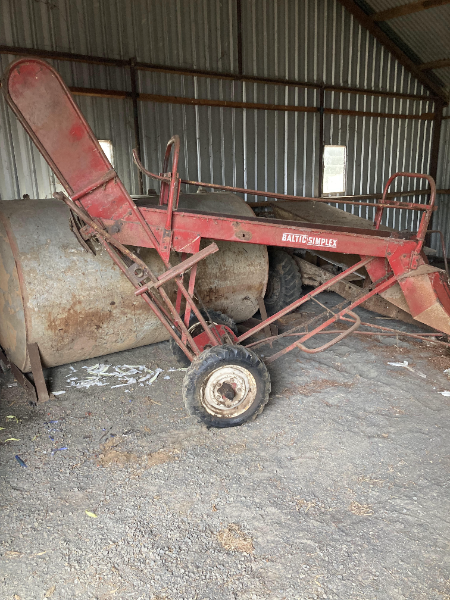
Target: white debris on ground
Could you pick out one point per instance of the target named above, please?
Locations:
(105, 375)
(405, 365)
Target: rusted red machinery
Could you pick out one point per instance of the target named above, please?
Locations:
(226, 383)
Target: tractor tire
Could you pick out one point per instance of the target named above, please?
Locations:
(214, 317)
(284, 285)
(226, 386)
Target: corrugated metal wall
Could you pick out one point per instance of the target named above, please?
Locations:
(442, 216)
(377, 147)
(278, 151)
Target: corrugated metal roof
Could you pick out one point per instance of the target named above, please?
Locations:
(426, 33)
(385, 4)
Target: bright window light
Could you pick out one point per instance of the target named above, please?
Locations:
(334, 167)
(107, 148)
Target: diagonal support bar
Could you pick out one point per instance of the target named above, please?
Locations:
(179, 269)
(299, 343)
(300, 301)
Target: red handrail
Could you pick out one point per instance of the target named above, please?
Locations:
(422, 230)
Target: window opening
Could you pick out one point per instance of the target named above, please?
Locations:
(334, 169)
(107, 147)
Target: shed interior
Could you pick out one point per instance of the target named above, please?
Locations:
(336, 491)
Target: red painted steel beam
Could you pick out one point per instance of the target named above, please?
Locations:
(179, 269)
(298, 344)
(362, 263)
(190, 226)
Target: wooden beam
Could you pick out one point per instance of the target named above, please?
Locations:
(99, 93)
(379, 115)
(436, 64)
(366, 21)
(57, 55)
(98, 60)
(224, 103)
(435, 142)
(136, 127)
(279, 107)
(240, 46)
(407, 9)
(118, 94)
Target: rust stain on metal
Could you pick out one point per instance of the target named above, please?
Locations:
(240, 233)
(77, 317)
(116, 227)
(69, 292)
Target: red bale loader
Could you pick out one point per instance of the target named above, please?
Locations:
(226, 383)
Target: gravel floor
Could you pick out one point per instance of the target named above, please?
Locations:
(338, 490)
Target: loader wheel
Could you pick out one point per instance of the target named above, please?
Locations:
(284, 285)
(226, 386)
(215, 317)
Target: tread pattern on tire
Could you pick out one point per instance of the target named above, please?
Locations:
(216, 317)
(206, 362)
(283, 267)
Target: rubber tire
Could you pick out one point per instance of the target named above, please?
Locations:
(208, 361)
(217, 317)
(285, 281)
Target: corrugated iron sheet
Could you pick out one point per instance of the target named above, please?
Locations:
(24, 171)
(319, 42)
(425, 32)
(278, 151)
(441, 218)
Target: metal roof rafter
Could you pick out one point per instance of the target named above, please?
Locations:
(407, 9)
(368, 23)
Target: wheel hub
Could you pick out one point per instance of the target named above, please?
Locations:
(229, 391)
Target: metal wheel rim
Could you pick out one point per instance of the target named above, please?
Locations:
(193, 328)
(197, 328)
(243, 383)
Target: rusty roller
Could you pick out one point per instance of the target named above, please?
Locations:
(76, 305)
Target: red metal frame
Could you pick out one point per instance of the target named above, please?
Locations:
(46, 109)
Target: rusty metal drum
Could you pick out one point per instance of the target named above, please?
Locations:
(76, 305)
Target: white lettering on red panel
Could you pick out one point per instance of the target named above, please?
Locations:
(308, 240)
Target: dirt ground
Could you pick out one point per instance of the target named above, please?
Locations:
(338, 490)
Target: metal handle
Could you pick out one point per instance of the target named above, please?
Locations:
(421, 232)
(337, 339)
(174, 183)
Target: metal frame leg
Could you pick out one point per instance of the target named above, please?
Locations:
(38, 391)
(38, 373)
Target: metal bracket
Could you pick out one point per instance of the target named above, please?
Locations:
(415, 259)
(271, 329)
(76, 227)
(38, 373)
(138, 272)
(38, 391)
(166, 243)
